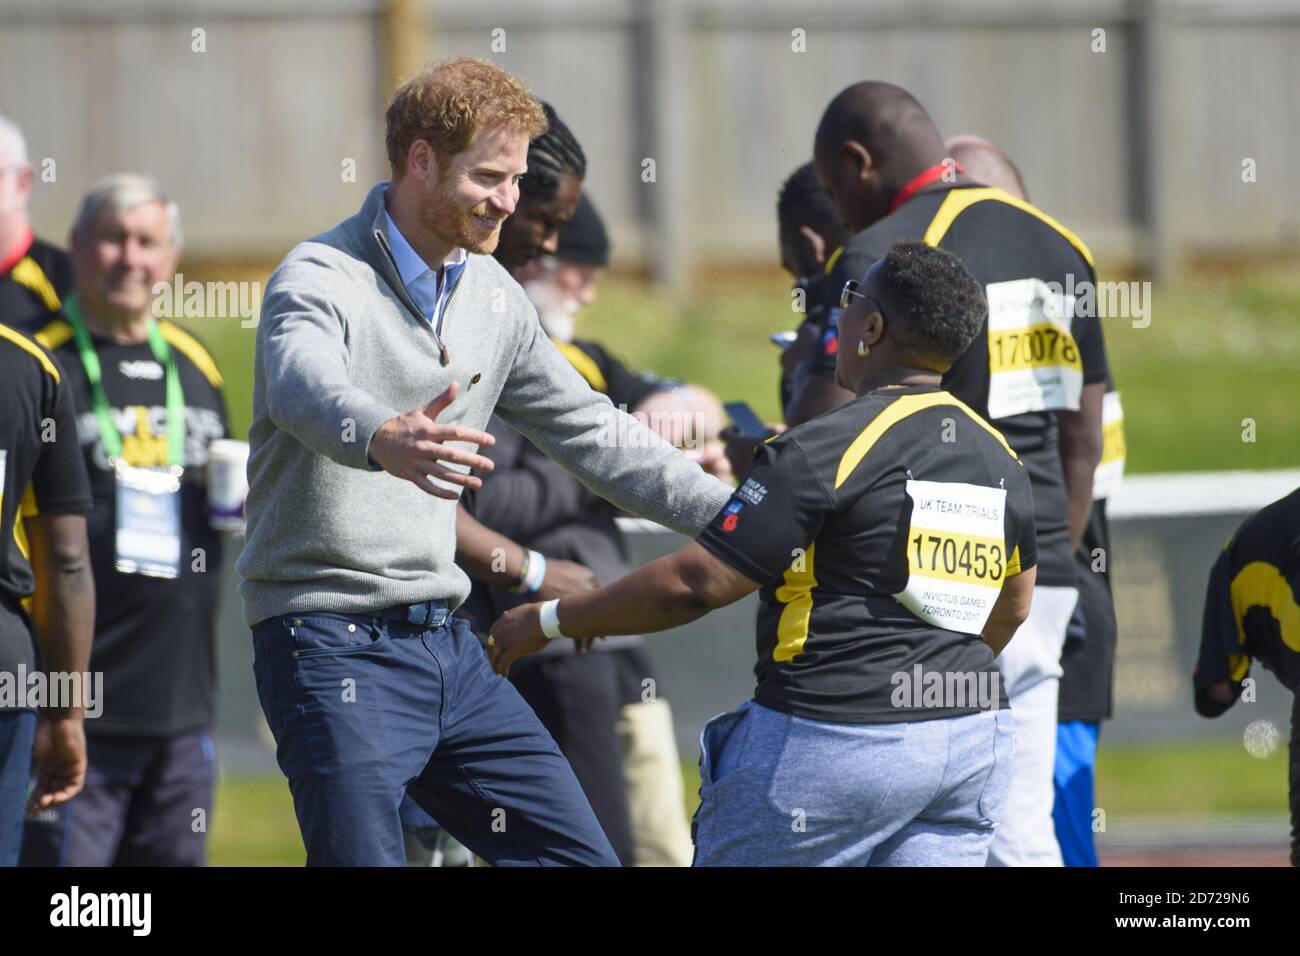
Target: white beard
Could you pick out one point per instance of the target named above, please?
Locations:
(555, 314)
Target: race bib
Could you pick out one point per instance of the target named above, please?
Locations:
(148, 539)
(1034, 362)
(956, 554)
(1110, 471)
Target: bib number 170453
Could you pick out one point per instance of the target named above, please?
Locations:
(956, 554)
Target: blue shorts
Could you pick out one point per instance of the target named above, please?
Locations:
(780, 790)
(147, 802)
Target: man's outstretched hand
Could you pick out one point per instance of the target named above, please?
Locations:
(411, 447)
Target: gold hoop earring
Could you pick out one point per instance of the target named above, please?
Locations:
(863, 348)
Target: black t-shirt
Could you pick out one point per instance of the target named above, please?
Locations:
(1007, 244)
(34, 287)
(901, 495)
(154, 637)
(1252, 613)
(40, 472)
(1252, 604)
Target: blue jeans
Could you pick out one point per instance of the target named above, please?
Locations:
(366, 708)
(1076, 763)
(780, 790)
(17, 731)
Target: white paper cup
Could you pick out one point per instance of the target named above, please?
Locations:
(227, 484)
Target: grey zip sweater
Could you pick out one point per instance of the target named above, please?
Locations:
(341, 348)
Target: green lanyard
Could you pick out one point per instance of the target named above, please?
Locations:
(103, 413)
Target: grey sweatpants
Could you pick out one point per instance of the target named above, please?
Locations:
(780, 790)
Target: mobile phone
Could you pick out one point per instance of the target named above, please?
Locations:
(745, 419)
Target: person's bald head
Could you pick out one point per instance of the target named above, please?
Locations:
(987, 164)
(873, 138)
(16, 178)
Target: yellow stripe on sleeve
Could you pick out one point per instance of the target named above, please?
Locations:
(54, 335)
(29, 273)
(832, 259)
(901, 408)
(31, 348)
(584, 363)
(959, 200)
(189, 346)
(796, 595)
(1260, 584)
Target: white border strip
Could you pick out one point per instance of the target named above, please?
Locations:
(1178, 495)
(1199, 493)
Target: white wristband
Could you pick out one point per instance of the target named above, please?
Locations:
(550, 619)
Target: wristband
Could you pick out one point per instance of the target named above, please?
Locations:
(550, 619)
(532, 582)
(531, 573)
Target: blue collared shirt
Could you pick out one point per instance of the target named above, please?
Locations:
(420, 280)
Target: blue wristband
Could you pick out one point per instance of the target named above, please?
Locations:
(536, 572)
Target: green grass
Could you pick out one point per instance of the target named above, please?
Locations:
(1217, 351)
(1209, 778)
(253, 823)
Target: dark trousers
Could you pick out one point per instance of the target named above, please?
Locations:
(577, 698)
(365, 709)
(17, 729)
(147, 802)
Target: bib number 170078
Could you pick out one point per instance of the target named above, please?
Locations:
(1034, 361)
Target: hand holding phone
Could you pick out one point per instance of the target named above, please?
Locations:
(746, 420)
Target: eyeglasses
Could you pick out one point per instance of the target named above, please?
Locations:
(850, 292)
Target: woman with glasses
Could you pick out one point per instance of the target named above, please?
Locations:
(892, 542)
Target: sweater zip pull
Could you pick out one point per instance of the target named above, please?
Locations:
(444, 356)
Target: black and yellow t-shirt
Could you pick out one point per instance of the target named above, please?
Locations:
(1252, 613)
(153, 636)
(1015, 251)
(34, 285)
(866, 526)
(1252, 605)
(41, 471)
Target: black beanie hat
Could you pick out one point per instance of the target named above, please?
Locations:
(583, 239)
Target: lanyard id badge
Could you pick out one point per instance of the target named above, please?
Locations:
(148, 535)
(956, 554)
